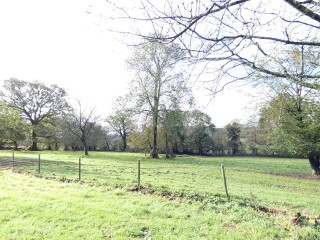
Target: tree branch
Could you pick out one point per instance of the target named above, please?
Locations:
(304, 10)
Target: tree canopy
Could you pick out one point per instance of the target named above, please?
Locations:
(158, 81)
(35, 101)
(12, 127)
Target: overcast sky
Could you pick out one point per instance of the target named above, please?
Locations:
(58, 42)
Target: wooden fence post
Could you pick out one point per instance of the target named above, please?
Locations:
(138, 175)
(225, 181)
(79, 169)
(39, 164)
(12, 160)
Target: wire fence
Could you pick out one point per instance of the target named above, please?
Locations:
(136, 174)
(40, 167)
(190, 182)
(5, 162)
(205, 176)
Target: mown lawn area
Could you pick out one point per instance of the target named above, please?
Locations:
(181, 198)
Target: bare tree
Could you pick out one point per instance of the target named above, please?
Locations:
(158, 81)
(121, 121)
(81, 122)
(231, 38)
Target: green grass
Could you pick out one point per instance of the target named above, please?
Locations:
(182, 198)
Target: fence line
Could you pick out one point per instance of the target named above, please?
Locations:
(9, 163)
(16, 163)
(225, 181)
(74, 170)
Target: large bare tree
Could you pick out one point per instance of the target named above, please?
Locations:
(233, 39)
(158, 81)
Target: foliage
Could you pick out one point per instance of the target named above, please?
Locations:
(12, 127)
(35, 101)
(101, 138)
(233, 132)
(141, 138)
(122, 121)
(170, 128)
(186, 132)
(294, 105)
(46, 133)
(199, 133)
(291, 133)
(220, 140)
(251, 133)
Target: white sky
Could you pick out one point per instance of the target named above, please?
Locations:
(58, 42)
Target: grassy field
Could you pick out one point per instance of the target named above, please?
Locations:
(181, 198)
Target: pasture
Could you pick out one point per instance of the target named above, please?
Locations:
(180, 198)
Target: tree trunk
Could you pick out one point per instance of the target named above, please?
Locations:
(107, 146)
(15, 145)
(85, 148)
(34, 141)
(154, 152)
(124, 142)
(175, 147)
(314, 160)
(199, 150)
(84, 143)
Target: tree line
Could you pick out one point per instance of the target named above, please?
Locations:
(272, 43)
(39, 117)
(158, 113)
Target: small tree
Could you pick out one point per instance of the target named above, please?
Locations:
(201, 130)
(220, 140)
(121, 122)
(233, 132)
(171, 124)
(80, 123)
(251, 133)
(12, 127)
